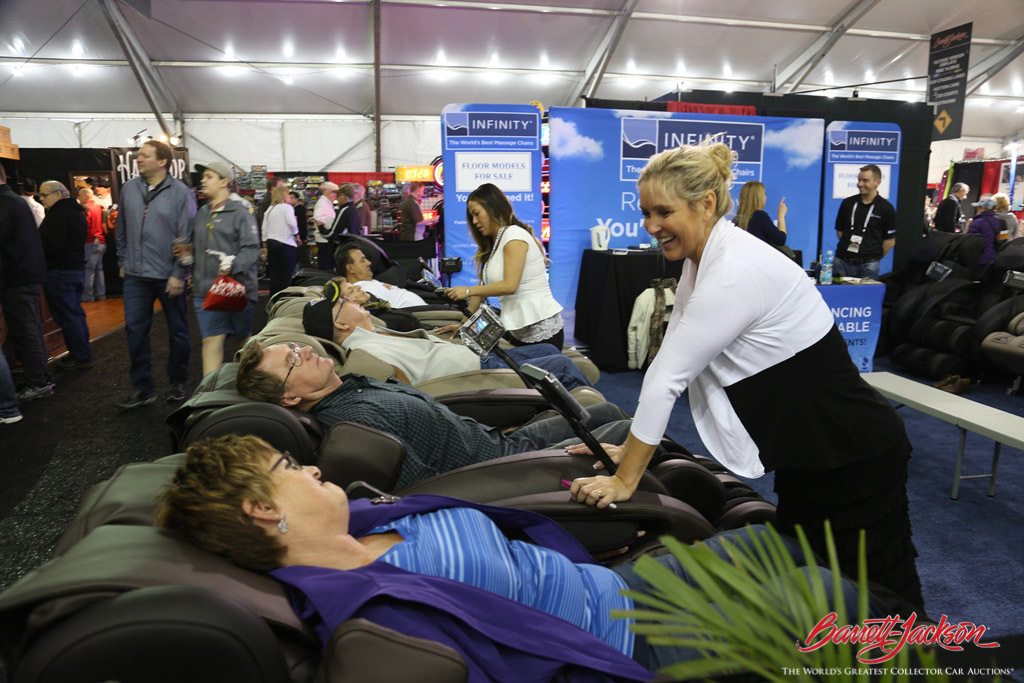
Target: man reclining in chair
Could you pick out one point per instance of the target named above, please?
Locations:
(436, 440)
(423, 357)
(356, 269)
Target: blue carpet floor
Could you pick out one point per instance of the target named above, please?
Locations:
(971, 550)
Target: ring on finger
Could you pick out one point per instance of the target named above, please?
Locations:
(599, 493)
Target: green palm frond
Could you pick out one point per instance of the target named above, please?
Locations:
(748, 612)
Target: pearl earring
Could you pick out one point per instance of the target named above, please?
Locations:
(282, 526)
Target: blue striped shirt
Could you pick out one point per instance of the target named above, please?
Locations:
(466, 546)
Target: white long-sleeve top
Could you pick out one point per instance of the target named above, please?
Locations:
(745, 309)
(638, 334)
(323, 212)
(279, 224)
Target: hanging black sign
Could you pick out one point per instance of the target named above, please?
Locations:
(122, 160)
(947, 80)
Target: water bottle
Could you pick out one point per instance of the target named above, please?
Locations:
(826, 269)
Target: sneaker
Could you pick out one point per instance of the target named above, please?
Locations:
(176, 394)
(10, 420)
(32, 393)
(69, 363)
(136, 399)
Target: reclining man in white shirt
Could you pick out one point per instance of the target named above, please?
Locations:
(420, 356)
(355, 268)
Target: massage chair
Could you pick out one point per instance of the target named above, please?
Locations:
(939, 327)
(122, 600)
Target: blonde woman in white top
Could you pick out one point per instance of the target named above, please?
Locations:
(280, 239)
(511, 266)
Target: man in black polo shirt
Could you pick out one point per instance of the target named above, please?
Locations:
(866, 224)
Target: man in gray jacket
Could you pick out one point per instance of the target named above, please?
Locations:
(155, 209)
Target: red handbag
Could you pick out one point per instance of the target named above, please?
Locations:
(226, 294)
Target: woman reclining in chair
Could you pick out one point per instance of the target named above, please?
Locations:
(427, 566)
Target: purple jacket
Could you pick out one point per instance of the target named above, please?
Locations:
(499, 639)
(987, 224)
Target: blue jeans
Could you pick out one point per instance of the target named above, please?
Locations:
(95, 285)
(8, 397)
(655, 657)
(862, 269)
(607, 423)
(545, 357)
(25, 326)
(63, 290)
(139, 296)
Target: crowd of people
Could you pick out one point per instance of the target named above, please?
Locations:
(747, 323)
(164, 239)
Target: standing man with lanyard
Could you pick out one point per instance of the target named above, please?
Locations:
(866, 224)
(155, 210)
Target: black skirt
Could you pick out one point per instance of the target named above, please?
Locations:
(869, 495)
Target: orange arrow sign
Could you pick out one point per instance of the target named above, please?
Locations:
(942, 121)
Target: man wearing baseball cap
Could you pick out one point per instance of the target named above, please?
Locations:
(222, 226)
(323, 219)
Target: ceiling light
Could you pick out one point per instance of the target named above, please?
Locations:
(680, 68)
(727, 71)
(982, 101)
(441, 59)
(230, 70)
(869, 75)
(1020, 110)
(495, 60)
(287, 79)
(728, 87)
(17, 70)
(441, 74)
(76, 48)
(830, 78)
(288, 49)
(18, 45)
(343, 72)
(985, 89)
(175, 139)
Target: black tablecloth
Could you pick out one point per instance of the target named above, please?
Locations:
(609, 284)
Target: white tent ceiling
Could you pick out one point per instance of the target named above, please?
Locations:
(308, 57)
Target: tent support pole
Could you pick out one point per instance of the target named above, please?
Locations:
(376, 82)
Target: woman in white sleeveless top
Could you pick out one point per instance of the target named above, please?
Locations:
(511, 266)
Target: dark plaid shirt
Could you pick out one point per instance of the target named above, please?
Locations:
(436, 440)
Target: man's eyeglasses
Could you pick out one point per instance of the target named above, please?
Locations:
(343, 301)
(290, 463)
(294, 358)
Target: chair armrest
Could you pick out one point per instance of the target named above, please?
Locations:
(360, 650)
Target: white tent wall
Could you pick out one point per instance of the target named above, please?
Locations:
(282, 144)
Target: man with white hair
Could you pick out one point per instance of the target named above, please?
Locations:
(949, 217)
(323, 219)
(63, 233)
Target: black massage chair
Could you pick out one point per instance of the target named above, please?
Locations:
(122, 600)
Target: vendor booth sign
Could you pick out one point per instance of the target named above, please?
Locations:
(858, 313)
(123, 161)
(596, 156)
(851, 145)
(488, 143)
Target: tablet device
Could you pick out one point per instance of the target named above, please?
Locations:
(430, 279)
(482, 332)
